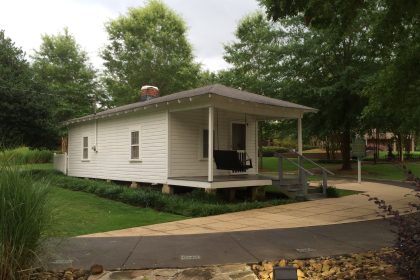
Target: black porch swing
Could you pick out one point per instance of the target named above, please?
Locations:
(231, 159)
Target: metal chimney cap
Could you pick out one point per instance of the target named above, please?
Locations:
(149, 87)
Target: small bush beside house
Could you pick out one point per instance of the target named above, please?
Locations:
(194, 204)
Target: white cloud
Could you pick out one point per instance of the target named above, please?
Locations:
(211, 23)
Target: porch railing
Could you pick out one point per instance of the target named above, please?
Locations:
(324, 171)
(303, 173)
(242, 157)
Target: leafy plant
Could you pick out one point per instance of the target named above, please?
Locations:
(24, 215)
(407, 229)
(25, 155)
(269, 151)
(195, 204)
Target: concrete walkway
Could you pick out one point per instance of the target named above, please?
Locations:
(327, 211)
(302, 230)
(183, 251)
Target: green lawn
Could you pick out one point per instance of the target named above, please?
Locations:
(270, 164)
(384, 154)
(385, 171)
(77, 213)
(388, 170)
(339, 192)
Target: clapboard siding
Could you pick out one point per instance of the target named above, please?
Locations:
(113, 144)
(185, 127)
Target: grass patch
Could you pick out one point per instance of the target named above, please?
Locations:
(383, 171)
(331, 191)
(270, 164)
(389, 171)
(334, 192)
(24, 155)
(78, 213)
(194, 204)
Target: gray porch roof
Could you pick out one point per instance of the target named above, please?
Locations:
(216, 89)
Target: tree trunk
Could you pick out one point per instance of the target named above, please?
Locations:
(376, 151)
(260, 145)
(345, 150)
(400, 147)
(327, 148)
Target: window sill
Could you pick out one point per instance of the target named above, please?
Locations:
(85, 160)
(134, 160)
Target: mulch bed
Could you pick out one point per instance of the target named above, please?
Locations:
(367, 265)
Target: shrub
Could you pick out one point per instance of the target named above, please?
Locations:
(195, 204)
(309, 147)
(269, 151)
(332, 192)
(407, 229)
(24, 155)
(23, 218)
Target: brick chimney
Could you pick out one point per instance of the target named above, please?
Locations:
(148, 92)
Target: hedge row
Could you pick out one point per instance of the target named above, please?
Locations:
(194, 204)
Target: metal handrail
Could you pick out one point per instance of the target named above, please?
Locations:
(314, 163)
(294, 163)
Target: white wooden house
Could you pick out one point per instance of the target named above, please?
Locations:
(170, 140)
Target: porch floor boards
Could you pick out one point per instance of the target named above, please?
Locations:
(224, 178)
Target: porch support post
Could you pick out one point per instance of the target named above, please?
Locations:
(300, 147)
(210, 141)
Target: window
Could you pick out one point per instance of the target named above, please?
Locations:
(135, 145)
(85, 148)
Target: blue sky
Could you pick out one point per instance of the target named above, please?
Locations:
(211, 23)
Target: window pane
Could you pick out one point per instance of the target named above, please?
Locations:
(85, 142)
(205, 143)
(85, 152)
(134, 152)
(134, 137)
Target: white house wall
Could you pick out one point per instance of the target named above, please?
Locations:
(185, 127)
(112, 161)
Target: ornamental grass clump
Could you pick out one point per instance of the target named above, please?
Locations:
(24, 216)
(24, 155)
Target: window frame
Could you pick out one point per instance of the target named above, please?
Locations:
(87, 158)
(200, 152)
(131, 145)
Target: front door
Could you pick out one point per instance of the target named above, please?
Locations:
(238, 136)
(239, 140)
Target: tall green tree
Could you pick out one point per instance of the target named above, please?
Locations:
(255, 56)
(24, 115)
(62, 68)
(393, 90)
(148, 46)
(325, 70)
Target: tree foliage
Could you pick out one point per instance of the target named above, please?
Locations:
(148, 46)
(62, 71)
(325, 70)
(393, 88)
(24, 117)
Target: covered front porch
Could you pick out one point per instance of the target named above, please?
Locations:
(222, 123)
